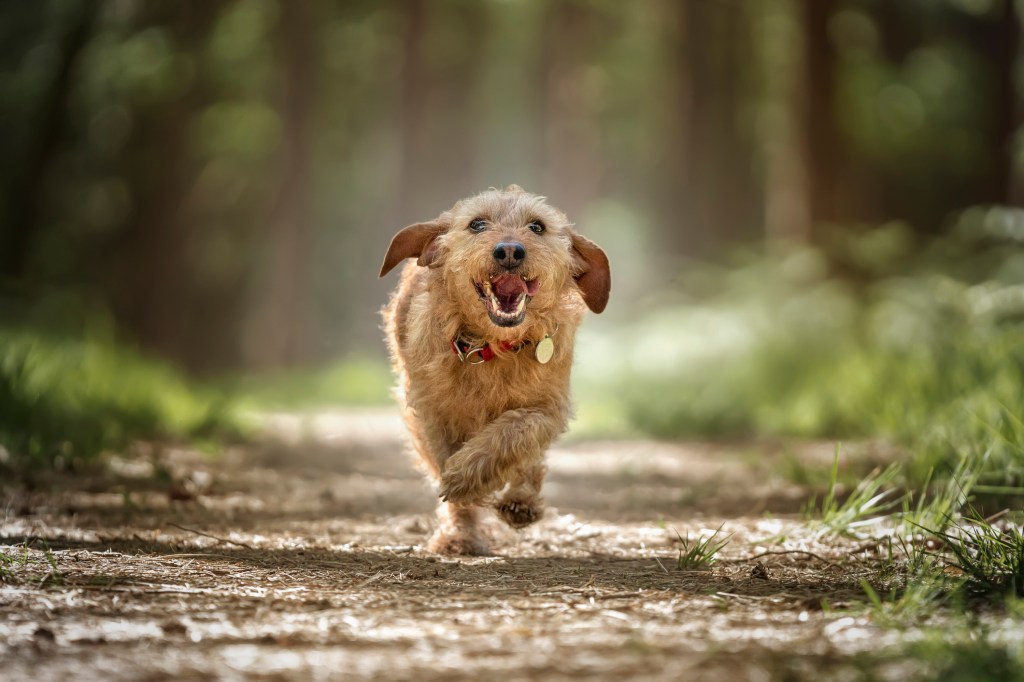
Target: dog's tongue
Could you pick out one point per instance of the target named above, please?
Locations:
(508, 286)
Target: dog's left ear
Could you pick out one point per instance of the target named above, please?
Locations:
(417, 241)
(594, 276)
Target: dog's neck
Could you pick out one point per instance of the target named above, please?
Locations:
(475, 350)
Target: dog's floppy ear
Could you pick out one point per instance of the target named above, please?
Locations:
(594, 275)
(417, 241)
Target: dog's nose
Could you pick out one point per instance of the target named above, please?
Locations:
(509, 254)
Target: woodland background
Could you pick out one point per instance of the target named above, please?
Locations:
(221, 178)
(813, 211)
(810, 205)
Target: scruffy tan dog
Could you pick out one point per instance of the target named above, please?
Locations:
(481, 331)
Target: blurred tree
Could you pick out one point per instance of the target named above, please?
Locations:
(156, 292)
(926, 99)
(574, 170)
(278, 336)
(223, 175)
(45, 125)
(827, 153)
(439, 113)
(786, 113)
(1005, 51)
(713, 150)
(413, 108)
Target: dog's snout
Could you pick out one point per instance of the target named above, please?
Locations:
(509, 254)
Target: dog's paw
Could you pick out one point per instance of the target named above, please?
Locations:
(468, 545)
(465, 482)
(518, 513)
(457, 489)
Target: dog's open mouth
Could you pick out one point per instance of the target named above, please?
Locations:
(506, 296)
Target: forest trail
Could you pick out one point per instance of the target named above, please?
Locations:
(301, 558)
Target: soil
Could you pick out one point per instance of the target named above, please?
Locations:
(302, 558)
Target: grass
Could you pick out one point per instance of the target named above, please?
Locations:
(13, 566)
(971, 566)
(9, 563)
(909, 585)
(913, 602)
(971, 658)
(870, 501)
(991, 559)
(68, 399)
(975, 564)
(916, 344)
(55, 577)
(935, 510)
(356, 381)
(700, 554)
(960, 653)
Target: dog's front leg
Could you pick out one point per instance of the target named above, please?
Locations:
(502, 452)
(458, 531)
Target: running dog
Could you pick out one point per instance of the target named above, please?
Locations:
(480, 330)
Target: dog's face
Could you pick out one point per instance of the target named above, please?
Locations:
(504, 256)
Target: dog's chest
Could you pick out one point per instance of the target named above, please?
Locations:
(465, 397)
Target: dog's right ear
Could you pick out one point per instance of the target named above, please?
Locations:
(417, 241)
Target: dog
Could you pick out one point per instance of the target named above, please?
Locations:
(480, 330)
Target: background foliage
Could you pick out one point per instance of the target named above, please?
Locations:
(809, 204)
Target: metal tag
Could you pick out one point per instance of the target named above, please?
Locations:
(545, 349)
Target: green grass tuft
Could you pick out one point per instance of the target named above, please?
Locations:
(699, 554)
(871, 501)
(992, 560)
(935, 510)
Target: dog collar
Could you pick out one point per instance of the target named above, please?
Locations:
(476, 352)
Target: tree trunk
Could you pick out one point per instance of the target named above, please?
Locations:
(719, 172)
(24, 191)
(413, 110)
(825, 146)
(676, 231)
(1007, 114)
(572, 169)
(152, 288)
(279, 334)
(786, 143)
(439, 118)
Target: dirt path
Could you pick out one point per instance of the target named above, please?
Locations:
(302, 559)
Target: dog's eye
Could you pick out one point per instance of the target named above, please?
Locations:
(537, 226)
(477, 225)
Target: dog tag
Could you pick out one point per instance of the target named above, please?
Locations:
(545, 349)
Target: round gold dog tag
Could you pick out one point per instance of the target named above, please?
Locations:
(545, 349)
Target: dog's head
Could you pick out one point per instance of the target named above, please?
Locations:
(505, 255)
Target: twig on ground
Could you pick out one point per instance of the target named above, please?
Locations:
(213, 537)
(781, 552)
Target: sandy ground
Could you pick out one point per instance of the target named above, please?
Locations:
(301, 558)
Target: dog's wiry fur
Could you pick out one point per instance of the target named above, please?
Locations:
(481, 430)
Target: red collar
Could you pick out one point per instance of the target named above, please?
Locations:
(476, 352)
